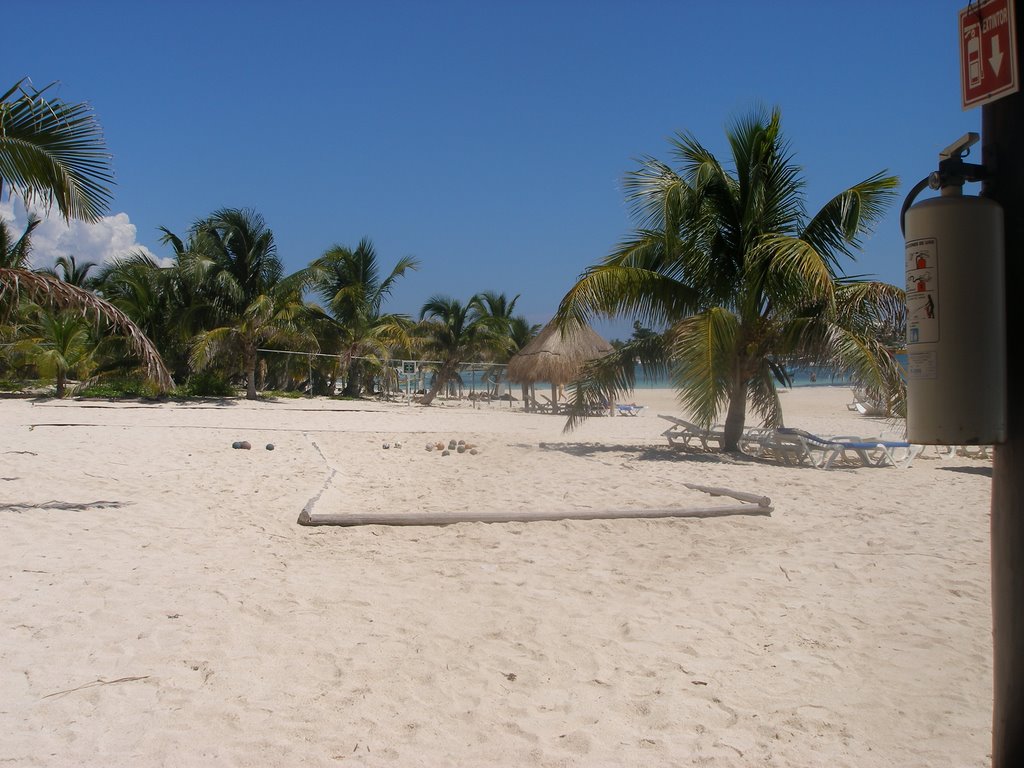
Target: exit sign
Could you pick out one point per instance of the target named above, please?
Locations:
(988, 52)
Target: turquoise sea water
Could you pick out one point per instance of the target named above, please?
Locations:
(802, 377)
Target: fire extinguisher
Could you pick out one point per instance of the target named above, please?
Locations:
(956, 320)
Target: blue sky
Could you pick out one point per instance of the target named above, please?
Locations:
(487, 140)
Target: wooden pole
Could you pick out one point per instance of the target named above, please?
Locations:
(1002, 129)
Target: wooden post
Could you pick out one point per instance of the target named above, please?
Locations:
(1002, 124)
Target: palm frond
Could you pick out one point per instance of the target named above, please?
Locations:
(702, 351)
(606, 379)
(792, 272)
(611, 290)
(15, 253)
(47, 290)
(763, 394)
(838, 228)
(53, 152)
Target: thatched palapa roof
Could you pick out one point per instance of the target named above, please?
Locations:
(556, 356)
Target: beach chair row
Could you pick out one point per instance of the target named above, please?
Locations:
(796, 446)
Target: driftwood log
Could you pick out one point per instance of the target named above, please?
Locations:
(754, 505)
(752, 498)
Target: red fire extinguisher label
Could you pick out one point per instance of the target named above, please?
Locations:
(922, 291)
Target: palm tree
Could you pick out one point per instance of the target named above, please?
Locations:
(57, 343)
(157, 299)
(451, 333)
(68, 269)
(497, 310)
(271, 318)
(348, 282)
(741, 280)
(496, 307)
(53, 152)
(232, 256)
(14, 253)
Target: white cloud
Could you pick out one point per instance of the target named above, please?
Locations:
(98, 242)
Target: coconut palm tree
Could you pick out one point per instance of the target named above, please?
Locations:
(349, 283)
(53, 153)
(58, 343)
(232, 256)
(451, 333)
(273, 318)
(496, 307)
(14, 252)
(157, 299)
(497, 310)
(68, 269)
(740, 278)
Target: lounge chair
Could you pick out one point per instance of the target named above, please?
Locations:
(967, 451)
(874, 452)
(798, 446)
(682, 434)
(628, 410)
(866, 406)
(757, 441)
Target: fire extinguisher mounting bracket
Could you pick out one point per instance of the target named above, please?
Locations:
(952, 174)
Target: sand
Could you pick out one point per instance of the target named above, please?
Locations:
(160, 606)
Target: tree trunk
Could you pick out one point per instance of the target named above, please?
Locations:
(250, 373)
(443, 374)
(62, 381)
(736, 416)
(353, 384)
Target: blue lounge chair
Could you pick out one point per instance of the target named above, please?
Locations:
(826, 452)
(628, 410)
(875, 452)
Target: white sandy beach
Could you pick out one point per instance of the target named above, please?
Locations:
(160, 606)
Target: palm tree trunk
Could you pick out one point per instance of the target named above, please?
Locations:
(353, 385)
(736, 416)
(250, 372)
(443, 374)
(62, 380)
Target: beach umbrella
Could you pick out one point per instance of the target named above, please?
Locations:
(557, 356)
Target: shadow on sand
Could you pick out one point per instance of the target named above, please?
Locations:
(644, 452)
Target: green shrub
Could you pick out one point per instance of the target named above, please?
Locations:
(118, 388)
(205, 384)
(281, 393)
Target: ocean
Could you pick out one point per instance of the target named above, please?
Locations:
(802, 377)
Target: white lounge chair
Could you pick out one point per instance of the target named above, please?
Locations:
(865, 405)
(755, 441)
(798, 446)
(683, 434)
(967, 451)
(874, 452)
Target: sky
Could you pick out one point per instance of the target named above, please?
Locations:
(487, 140)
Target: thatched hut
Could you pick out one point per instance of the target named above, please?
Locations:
(555, 356)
